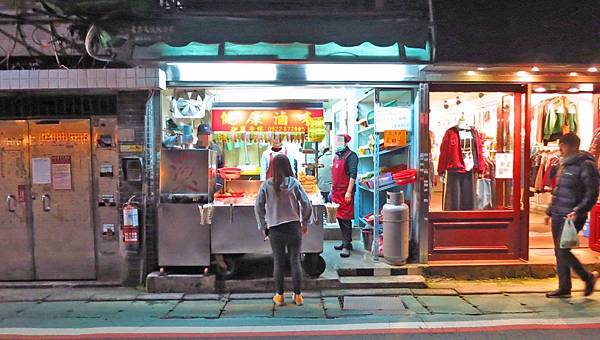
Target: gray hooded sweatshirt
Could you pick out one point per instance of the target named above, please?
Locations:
(291, 204)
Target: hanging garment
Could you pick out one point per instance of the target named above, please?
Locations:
(484, 194)
(451, 155)
(459, 191)
(595, 146)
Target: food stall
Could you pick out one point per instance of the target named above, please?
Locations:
(242, 133)
(234, 229)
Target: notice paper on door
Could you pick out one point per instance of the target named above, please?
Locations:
(61, 173)
(40, 171)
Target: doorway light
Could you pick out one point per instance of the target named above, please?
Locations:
(540, 89)
(535, 69)
(225, 71)
(480, 68)
(522, 73)
(472, 73)
(573, 90)
(586, 87)
(573, 74)
(592, 69)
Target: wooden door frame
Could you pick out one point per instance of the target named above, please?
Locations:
(494, 217)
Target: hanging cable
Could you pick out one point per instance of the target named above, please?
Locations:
(88, 45)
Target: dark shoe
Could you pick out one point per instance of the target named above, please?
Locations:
(558, 294)
(591, 284)
(341, 246)
(345, 252)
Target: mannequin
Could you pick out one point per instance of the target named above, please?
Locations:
(461, 156)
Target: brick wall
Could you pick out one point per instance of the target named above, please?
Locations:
(131, 109)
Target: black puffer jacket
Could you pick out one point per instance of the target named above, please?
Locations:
(577, 187)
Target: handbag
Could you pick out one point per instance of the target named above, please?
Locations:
(568, 237)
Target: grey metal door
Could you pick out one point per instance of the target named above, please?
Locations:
(61, 195)
(16, 248)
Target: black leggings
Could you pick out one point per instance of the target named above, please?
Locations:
(287, 235)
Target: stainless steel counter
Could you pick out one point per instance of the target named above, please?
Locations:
(182, 240)
(234, 231)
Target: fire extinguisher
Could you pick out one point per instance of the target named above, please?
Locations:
(130, 222)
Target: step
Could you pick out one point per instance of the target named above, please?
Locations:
(399, 281)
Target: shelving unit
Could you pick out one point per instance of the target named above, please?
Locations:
(371, 200)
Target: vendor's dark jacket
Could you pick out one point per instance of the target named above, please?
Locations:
(577, 188)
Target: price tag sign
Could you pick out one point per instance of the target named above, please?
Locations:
(394, 138)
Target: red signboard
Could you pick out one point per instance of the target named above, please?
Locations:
(263, 120)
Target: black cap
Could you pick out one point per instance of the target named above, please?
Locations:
(204, 129)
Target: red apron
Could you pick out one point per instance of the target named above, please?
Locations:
(269, 170)
(340, 181)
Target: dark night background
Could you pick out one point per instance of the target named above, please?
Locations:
(518, 31)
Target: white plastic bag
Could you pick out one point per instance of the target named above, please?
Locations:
(568, 237)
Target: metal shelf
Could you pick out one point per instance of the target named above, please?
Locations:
(363, 130)
(381, 153)
(383, 188)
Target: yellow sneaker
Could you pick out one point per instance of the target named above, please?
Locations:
(278, 299)
(298, 299)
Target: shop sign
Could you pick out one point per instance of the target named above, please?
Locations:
(264, 120)
(394, 138)
(504, 165)
(393, 118)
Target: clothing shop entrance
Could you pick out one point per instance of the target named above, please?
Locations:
(557, 109)
(475, 210)
(45, 180)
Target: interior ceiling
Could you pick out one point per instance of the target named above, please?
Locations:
(437, 98)
(291, 93)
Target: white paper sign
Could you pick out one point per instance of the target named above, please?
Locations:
(393, 118)
(61, 173)
(40, 171)
(504, 165)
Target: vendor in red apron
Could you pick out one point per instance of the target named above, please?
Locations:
(343, 179)
(267, 157)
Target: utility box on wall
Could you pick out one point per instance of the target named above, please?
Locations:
(105, 175)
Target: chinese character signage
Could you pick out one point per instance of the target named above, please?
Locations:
(264, 120)
(394, 138)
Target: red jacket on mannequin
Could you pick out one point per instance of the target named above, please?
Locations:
(451, 158)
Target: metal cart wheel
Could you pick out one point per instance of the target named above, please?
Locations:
(313, 264)
(230, 269)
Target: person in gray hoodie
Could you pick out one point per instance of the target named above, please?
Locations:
(283, 212)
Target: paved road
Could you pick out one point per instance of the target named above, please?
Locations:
(373, 314)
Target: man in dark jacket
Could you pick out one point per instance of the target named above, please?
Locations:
(573, 197)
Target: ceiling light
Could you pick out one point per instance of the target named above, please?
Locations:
(539, 89)
(471, 73)
(522, 74)
(224, 71)
(480, 68)
(592, 69)
(359, 72)
(535, 69)
(573, 90)
(573, 74)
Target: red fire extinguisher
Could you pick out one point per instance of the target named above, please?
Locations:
(130, 222)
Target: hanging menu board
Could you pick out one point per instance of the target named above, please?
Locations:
(61, 173)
